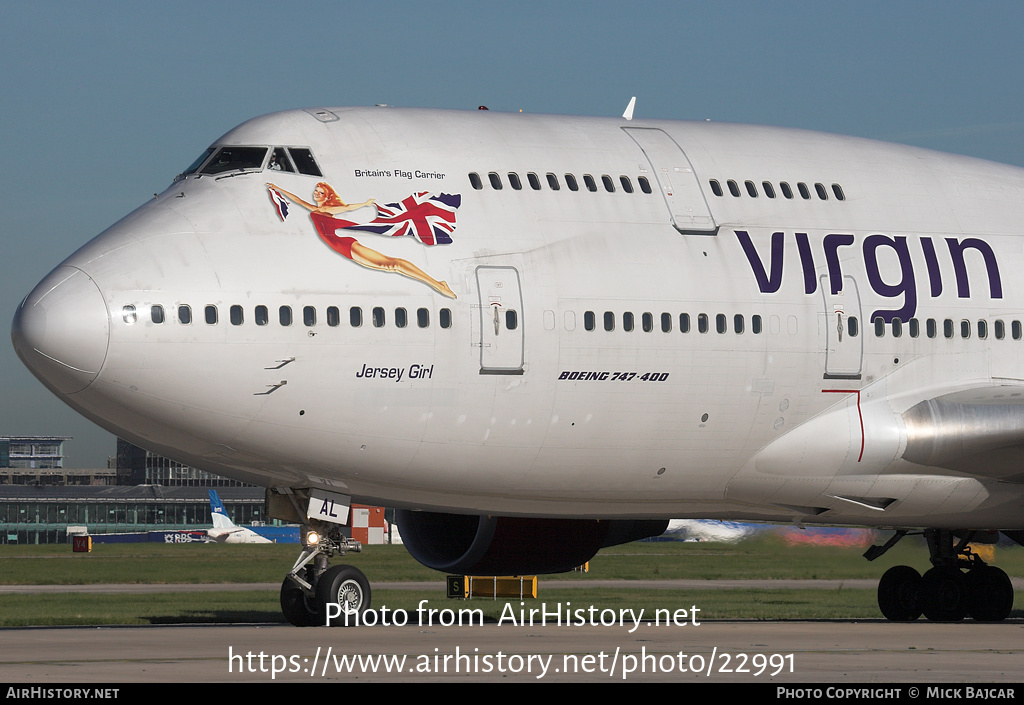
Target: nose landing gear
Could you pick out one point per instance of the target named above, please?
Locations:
(314, 594)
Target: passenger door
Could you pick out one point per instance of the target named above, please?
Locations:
(502, 344)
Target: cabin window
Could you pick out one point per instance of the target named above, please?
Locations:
(445, 315)
(947, 328)
(915, 327)
(609, 185)
(589, 320)
(401, 318)
(647, 322)
(534, 181)
(627, 185)
(1015, 330)
(716, 188)
(838, 191)
(965, 329)
(737, 323)
(666, 323)
(852, 326)
(378, 317)
(684, 323)
(786, 190)
(262, 316)
(284, 315)
(570, 181)
(720, 323)
(495, 181)
(211, 314)
(422, 317)
(549, 319)
(235, 315)
(897, 328)
(769, 191)
(702, 322)
(333, 316)
(822, 193)
(355, 316)
(734, 188)
(128, 314)
(983, 329)
(627, 321)
(552, 181)
(1000, 329)
(474, 181)
(514, 182)
(308, 316)
(589, 182)
(804, 191)
(755, 325)
(156, 313)
(645, 185)
(609, 321)
(751, 189)
(930, 327)
(511, 319)
(879, 327)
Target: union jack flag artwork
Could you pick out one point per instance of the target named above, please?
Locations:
(430, 219)
(279, 203)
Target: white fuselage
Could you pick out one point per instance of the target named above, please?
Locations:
(760, 410)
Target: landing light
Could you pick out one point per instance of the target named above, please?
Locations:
(312, 538)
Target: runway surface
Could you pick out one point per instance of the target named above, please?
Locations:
(831, 652)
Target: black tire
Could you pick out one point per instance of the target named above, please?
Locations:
(989, 594)
(944, 594)
(899, 594)
(297, 608)
(345, 586)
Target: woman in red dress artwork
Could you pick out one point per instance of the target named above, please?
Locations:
(327, 205)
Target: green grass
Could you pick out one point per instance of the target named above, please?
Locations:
(758, 558)
(762, 558)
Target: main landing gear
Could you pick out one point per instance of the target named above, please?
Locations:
(314, 594)
(959, 583)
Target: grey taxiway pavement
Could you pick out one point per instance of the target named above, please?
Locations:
(829, 652)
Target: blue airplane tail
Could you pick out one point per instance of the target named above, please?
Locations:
(218, 512)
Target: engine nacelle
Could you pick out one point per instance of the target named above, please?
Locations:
(488, 545)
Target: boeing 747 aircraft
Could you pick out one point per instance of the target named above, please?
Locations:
(538, 336)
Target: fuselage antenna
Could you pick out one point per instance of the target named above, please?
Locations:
(629, 109)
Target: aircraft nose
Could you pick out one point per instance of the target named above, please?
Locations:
(61, 330)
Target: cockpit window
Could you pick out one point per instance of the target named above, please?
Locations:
(279, 160)
(197, 163)
(219, 160)
(235, 159)
(304, 161)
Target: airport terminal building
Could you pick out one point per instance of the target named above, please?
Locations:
(35, 515)
(40, 499)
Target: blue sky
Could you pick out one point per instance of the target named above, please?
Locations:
(104, 102)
